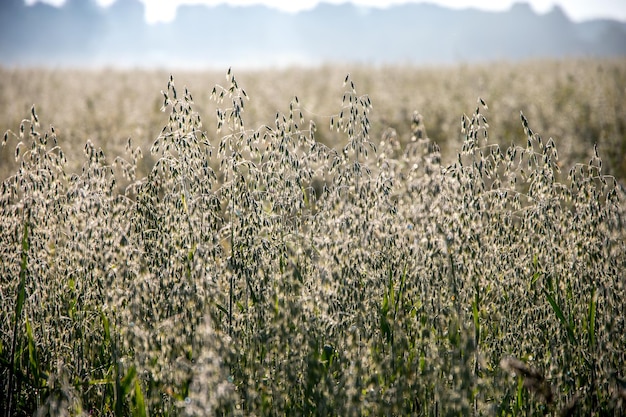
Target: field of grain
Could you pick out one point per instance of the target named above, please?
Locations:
(332, 241)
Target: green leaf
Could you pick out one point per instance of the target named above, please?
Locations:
(534, 279)
(21, 291)
(126, 383)
(221, 308)
(476, 317)
(101, 381)
(384, 308)
(140, 404)
(559, 314)
(33, 358)
(19, 305)
(519, 403)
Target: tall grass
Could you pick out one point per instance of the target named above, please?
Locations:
(256, 270)
(580, 102)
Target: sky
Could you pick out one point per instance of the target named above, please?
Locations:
(577, 10)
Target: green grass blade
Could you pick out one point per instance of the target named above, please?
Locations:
(126, 384)
(106, 327)
(21, 291)
(19, 306)
(559, 314)
(140, 404)
(33, 358)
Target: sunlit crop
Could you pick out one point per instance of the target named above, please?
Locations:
(255, 269)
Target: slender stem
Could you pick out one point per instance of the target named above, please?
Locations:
(232, 262)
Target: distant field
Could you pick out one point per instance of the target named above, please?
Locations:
(321, 242)
(577, 102)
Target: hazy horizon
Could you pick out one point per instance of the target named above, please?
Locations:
(81, 34)
(576, 10)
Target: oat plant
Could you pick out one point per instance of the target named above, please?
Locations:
(262, 271)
